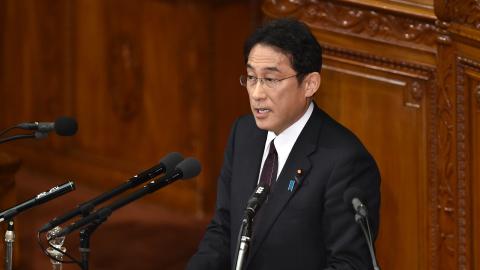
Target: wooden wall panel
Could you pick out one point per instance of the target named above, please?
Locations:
(468, 81)
(379, 80)
(377, 106)
(137, 75)
(149, 84)
(475, 169)
(34, 46)
(412, 69)
(459, 39)
(230, 99)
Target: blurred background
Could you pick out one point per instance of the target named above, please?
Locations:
(145, 78)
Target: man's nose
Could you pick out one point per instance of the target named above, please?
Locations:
(257, 91)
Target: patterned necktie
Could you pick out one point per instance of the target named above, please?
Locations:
(268, 177)
(270, 167)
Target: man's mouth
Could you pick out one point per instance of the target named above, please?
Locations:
(262, 110)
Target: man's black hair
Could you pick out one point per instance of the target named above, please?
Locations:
(294, 39)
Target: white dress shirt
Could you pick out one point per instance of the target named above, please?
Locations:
(284, 141)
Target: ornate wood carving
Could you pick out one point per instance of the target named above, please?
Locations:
(477, 95)
(443, 221)
(433, 175)
(463, 152)
(459, 11)
(414, 94)
(461, 164)
(354, 20)
(443, 34)
(400, 67)
(125, 78)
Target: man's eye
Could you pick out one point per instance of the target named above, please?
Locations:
(251, 78)
(270, 80)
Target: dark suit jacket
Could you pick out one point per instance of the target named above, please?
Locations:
(309, 227)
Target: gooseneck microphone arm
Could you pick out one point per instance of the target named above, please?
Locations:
(37, 200)
(165, 165)
(352, 196)
(254, 203)
(368, 238)
(10, 213)
(188, 168)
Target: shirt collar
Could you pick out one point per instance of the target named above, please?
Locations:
(284, 141)
(293, 131)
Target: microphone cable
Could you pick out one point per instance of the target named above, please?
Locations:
(14, 137)
(7, 130)
(44, 250)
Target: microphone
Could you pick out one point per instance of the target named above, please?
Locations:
(165, 165)
(63, 126)
(39, 199)
(355, 197)
(186, 169)
(257, 199)
(254, 203)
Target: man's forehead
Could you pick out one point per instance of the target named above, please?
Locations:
(267, 58)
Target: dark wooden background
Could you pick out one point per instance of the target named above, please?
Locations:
(143, 78)
(148, 77)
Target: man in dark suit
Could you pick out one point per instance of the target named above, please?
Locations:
(306, 157)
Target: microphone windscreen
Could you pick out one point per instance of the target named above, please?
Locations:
(352, 192)
(190, 167)
(170, 161)
(66, 126)
(259, 195)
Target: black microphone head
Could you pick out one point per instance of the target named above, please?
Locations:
(190, 167)
(66, 126)
(170, 161)
(260, 194)
(257, 199)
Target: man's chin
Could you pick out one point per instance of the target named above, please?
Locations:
(263, 125)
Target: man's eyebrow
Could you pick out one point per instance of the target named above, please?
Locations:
(272, 69)
(266, 69)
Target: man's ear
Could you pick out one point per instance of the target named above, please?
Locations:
(311, 83)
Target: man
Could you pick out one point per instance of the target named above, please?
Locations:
(307, 157)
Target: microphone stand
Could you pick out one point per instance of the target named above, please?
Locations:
(368, 237)
(85, 235)
(254, 203)
(244, 238)
(9, 239)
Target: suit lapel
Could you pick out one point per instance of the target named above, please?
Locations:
(252, 163)
(289, 180)
(249, 158)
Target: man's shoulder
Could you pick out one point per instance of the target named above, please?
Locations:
(335, 135)
(245, 123)
(246, 120)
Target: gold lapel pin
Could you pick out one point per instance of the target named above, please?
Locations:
(298, 175)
